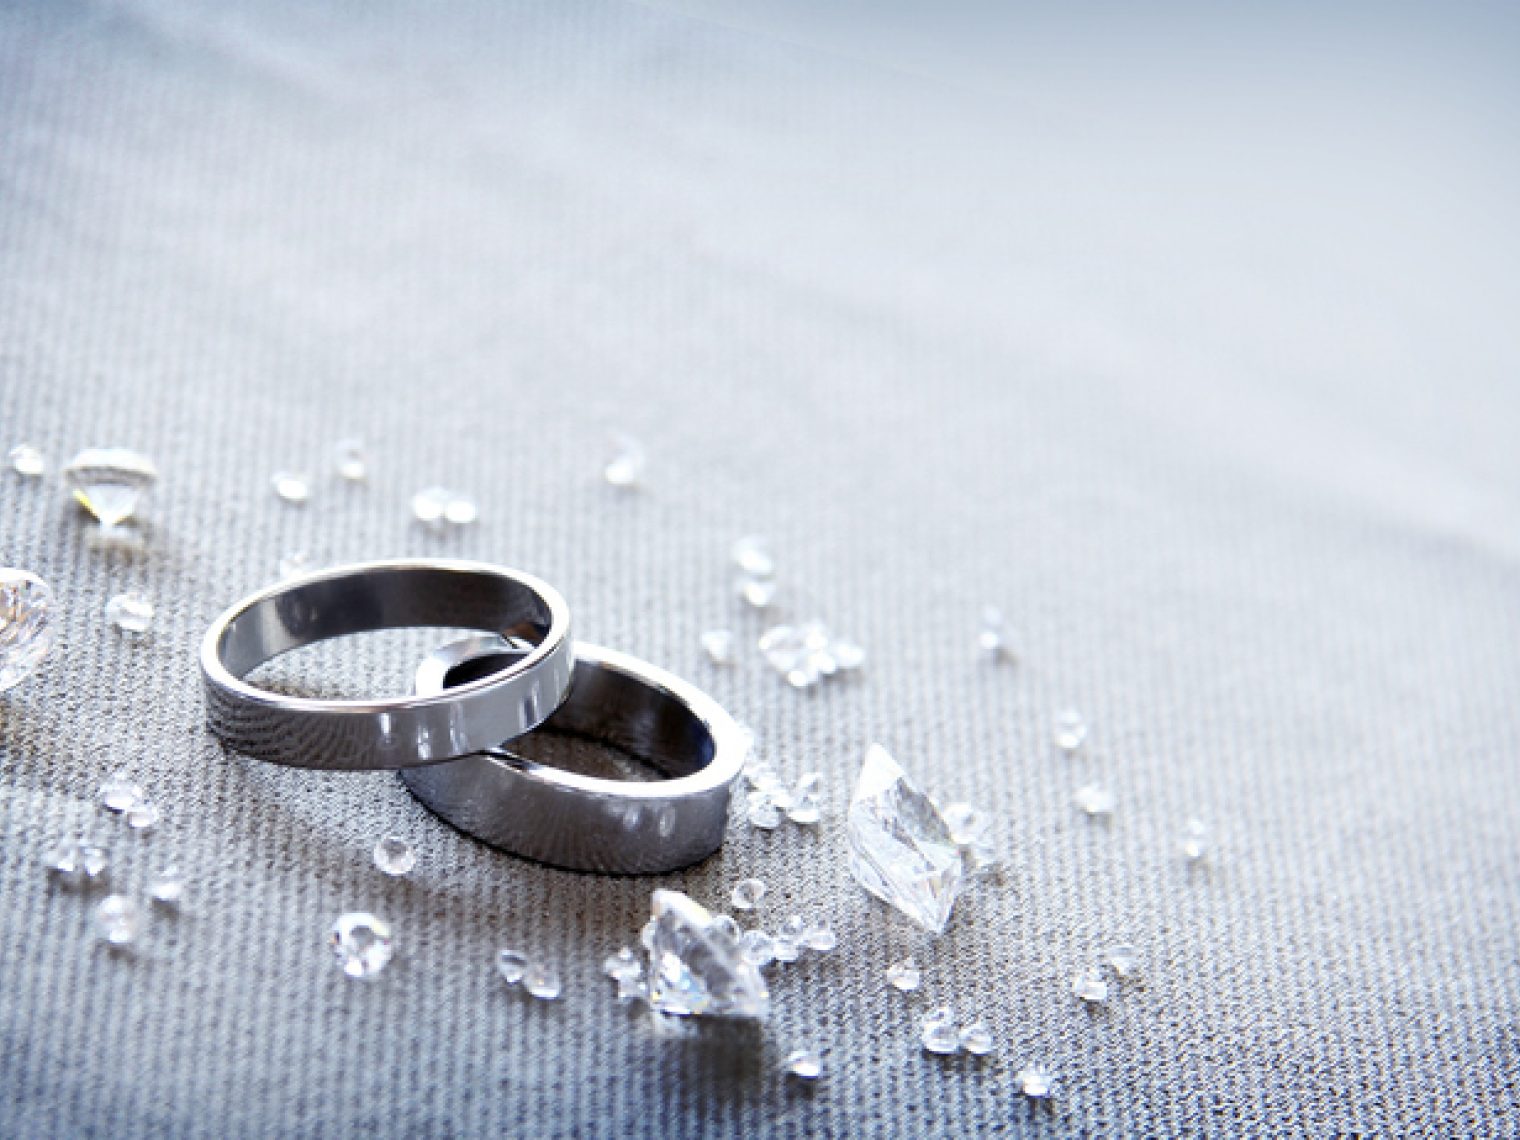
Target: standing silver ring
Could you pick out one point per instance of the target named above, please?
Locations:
(585, 823)
(396, 732)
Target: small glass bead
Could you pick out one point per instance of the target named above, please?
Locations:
(758, 948)
(1195, 840)
(428, 504)
(167, 887)
(756, 592)
(142, 815)
(361, 943)
(938, 1034)
(1033, 1081)
(624, 961)
(626, 467)
(1070, 730)
(1090, 987)
(905, 975)
(1093, 800)
(130, 613)
(819, 936)
(291, 486)
(460, 510)
(748, 893)
(976, 1039)
(349, 460)
(511, 965)
(27, 461)
(804, 1064)
(118, 920)
(721, 646)
(753, 557)
(394, 856)
(1123, 959)
(542, 981)
(119, 794)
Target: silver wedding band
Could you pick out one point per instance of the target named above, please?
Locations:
(398, 732)
(581, 822)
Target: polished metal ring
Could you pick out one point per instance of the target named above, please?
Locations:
(586, 823)
(397, 732)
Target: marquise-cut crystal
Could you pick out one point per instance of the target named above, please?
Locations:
(900, 848)
(26, 630)
(109, 482)
(697, 965)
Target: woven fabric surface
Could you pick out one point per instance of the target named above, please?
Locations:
(1215, 397)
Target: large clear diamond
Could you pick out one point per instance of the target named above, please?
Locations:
(900, 848)
(26, 631)
(109, 482)
(697, 964)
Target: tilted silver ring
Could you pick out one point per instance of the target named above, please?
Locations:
(581, 822)
(396, 732)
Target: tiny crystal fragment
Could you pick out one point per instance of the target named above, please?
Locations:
(1033, 1081)
(168, 886)
(460, 511)
(292, 487)
(1195, 838)
(511, 965)
(130, 613)
(109, 482)
(758, 593)
(752, 555)
(394, 856)
(361, 943)
(748, 893)
(804, 810)
(1093, 800)
(119, 794)
(819, 936)
(992, 639)
(937, 1032)
(626, 467)
(805, 1064)
(77, 863)
(26, 626)
(27, 461)
(542, 981)
(965, 823)
(1090, 987)
(349, 460)
(758, 948)
(616, 965)
(118, 920)
(1123, 959)
(720, 645)
(764, 815)
(904, 975)
(976, 1039)
(142, 815)
(428, 504)
(1070, 730)
(784, 949)
(696, 966)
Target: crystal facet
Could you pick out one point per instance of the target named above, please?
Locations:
(937, 1032)
(293, 487)
(1093, 800)
(904, 975)
(109, 482)
(976, 1039)
(394, 856)
(720, 646)
(511, 965)
(118, 920)
(1033, 1081)
(805, 1064)
(542, 981)
(748, 893)
(900, 848)
(1123, 959)
(1090, 987)
(167, 887)
(130, 613)
(361, 943)
(1195, 836)
(27, 461)
(696, 966)
(1070, 730)
(349, 460)
(626, 467)
(26, 628)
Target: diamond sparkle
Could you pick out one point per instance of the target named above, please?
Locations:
(395, 857)
(361, 943)
(109, 482)
(697, 966)
(26, 627)
(130, 613)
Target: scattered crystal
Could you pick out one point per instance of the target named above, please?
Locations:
(1070, 731)
(758, 947)
(981, 859)
(77, 863)
(964, 822)
(765, 815)
(26, 628)
(511, 965)
(294, 564)
(632, 986)
(118, 920)
(720, 645)
(696, 967)
(395, 856)
(626, 467)
(291, 486)
(1093, 800)
(168, 886)
(725, 925)
(428, 504)
(784, 949)
(1033, 1082)
(804, 1064)
(900, 848)
(804, 654)
(805, 808)
(1195, 837)
(756, 592)
(120, 794)
(792, 927)
(625, 960)
(350, 461)
(361, 943)
(753, 557)
(130, 613)
(992, 640)
(1090, 987)
(818, 935)
(938, 1033)
(460, 511)
(976, 1039)
(109, 482)
(1123, 959)
(847, 654)
(904, 975)
(142, 815)
(542, 981)
(27, 460)
(748, 893)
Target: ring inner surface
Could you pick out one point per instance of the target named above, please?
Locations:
(611, 708)
(379, 599)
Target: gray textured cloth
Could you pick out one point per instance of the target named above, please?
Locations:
(1192, 346)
